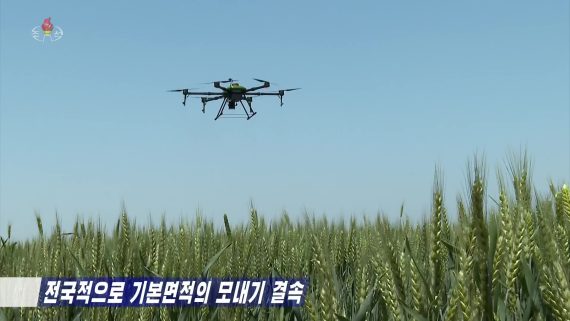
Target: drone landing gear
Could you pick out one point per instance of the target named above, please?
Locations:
(251, 112)
(221, 111)
(248, 114)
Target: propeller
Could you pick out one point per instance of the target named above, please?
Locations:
(265, 82)
(282, 92)
(184, 92)
(220, 81)
(176, 90)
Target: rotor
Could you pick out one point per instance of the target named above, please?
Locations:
(282, 92)
(220, 81)
(265, 82)
(184, 92)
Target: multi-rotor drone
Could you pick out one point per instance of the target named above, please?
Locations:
(233, 95)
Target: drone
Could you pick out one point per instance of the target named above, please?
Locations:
(232, 95)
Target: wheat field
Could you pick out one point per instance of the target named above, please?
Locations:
(501, 257)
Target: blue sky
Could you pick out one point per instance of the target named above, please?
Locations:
(390, 90)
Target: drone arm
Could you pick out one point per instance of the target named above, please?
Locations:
(207, 99)
(280, 94)
(207, 93)
(265, 85)
(264, 94)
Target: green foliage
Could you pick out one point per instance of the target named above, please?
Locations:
(507, 260)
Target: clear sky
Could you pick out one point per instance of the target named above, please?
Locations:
(390, 90)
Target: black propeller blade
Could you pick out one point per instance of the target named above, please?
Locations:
(181, 90)
(184, 92)
(220, 81)
(265, 82)
(282, 92)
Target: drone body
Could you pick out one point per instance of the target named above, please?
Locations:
(232, 95)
